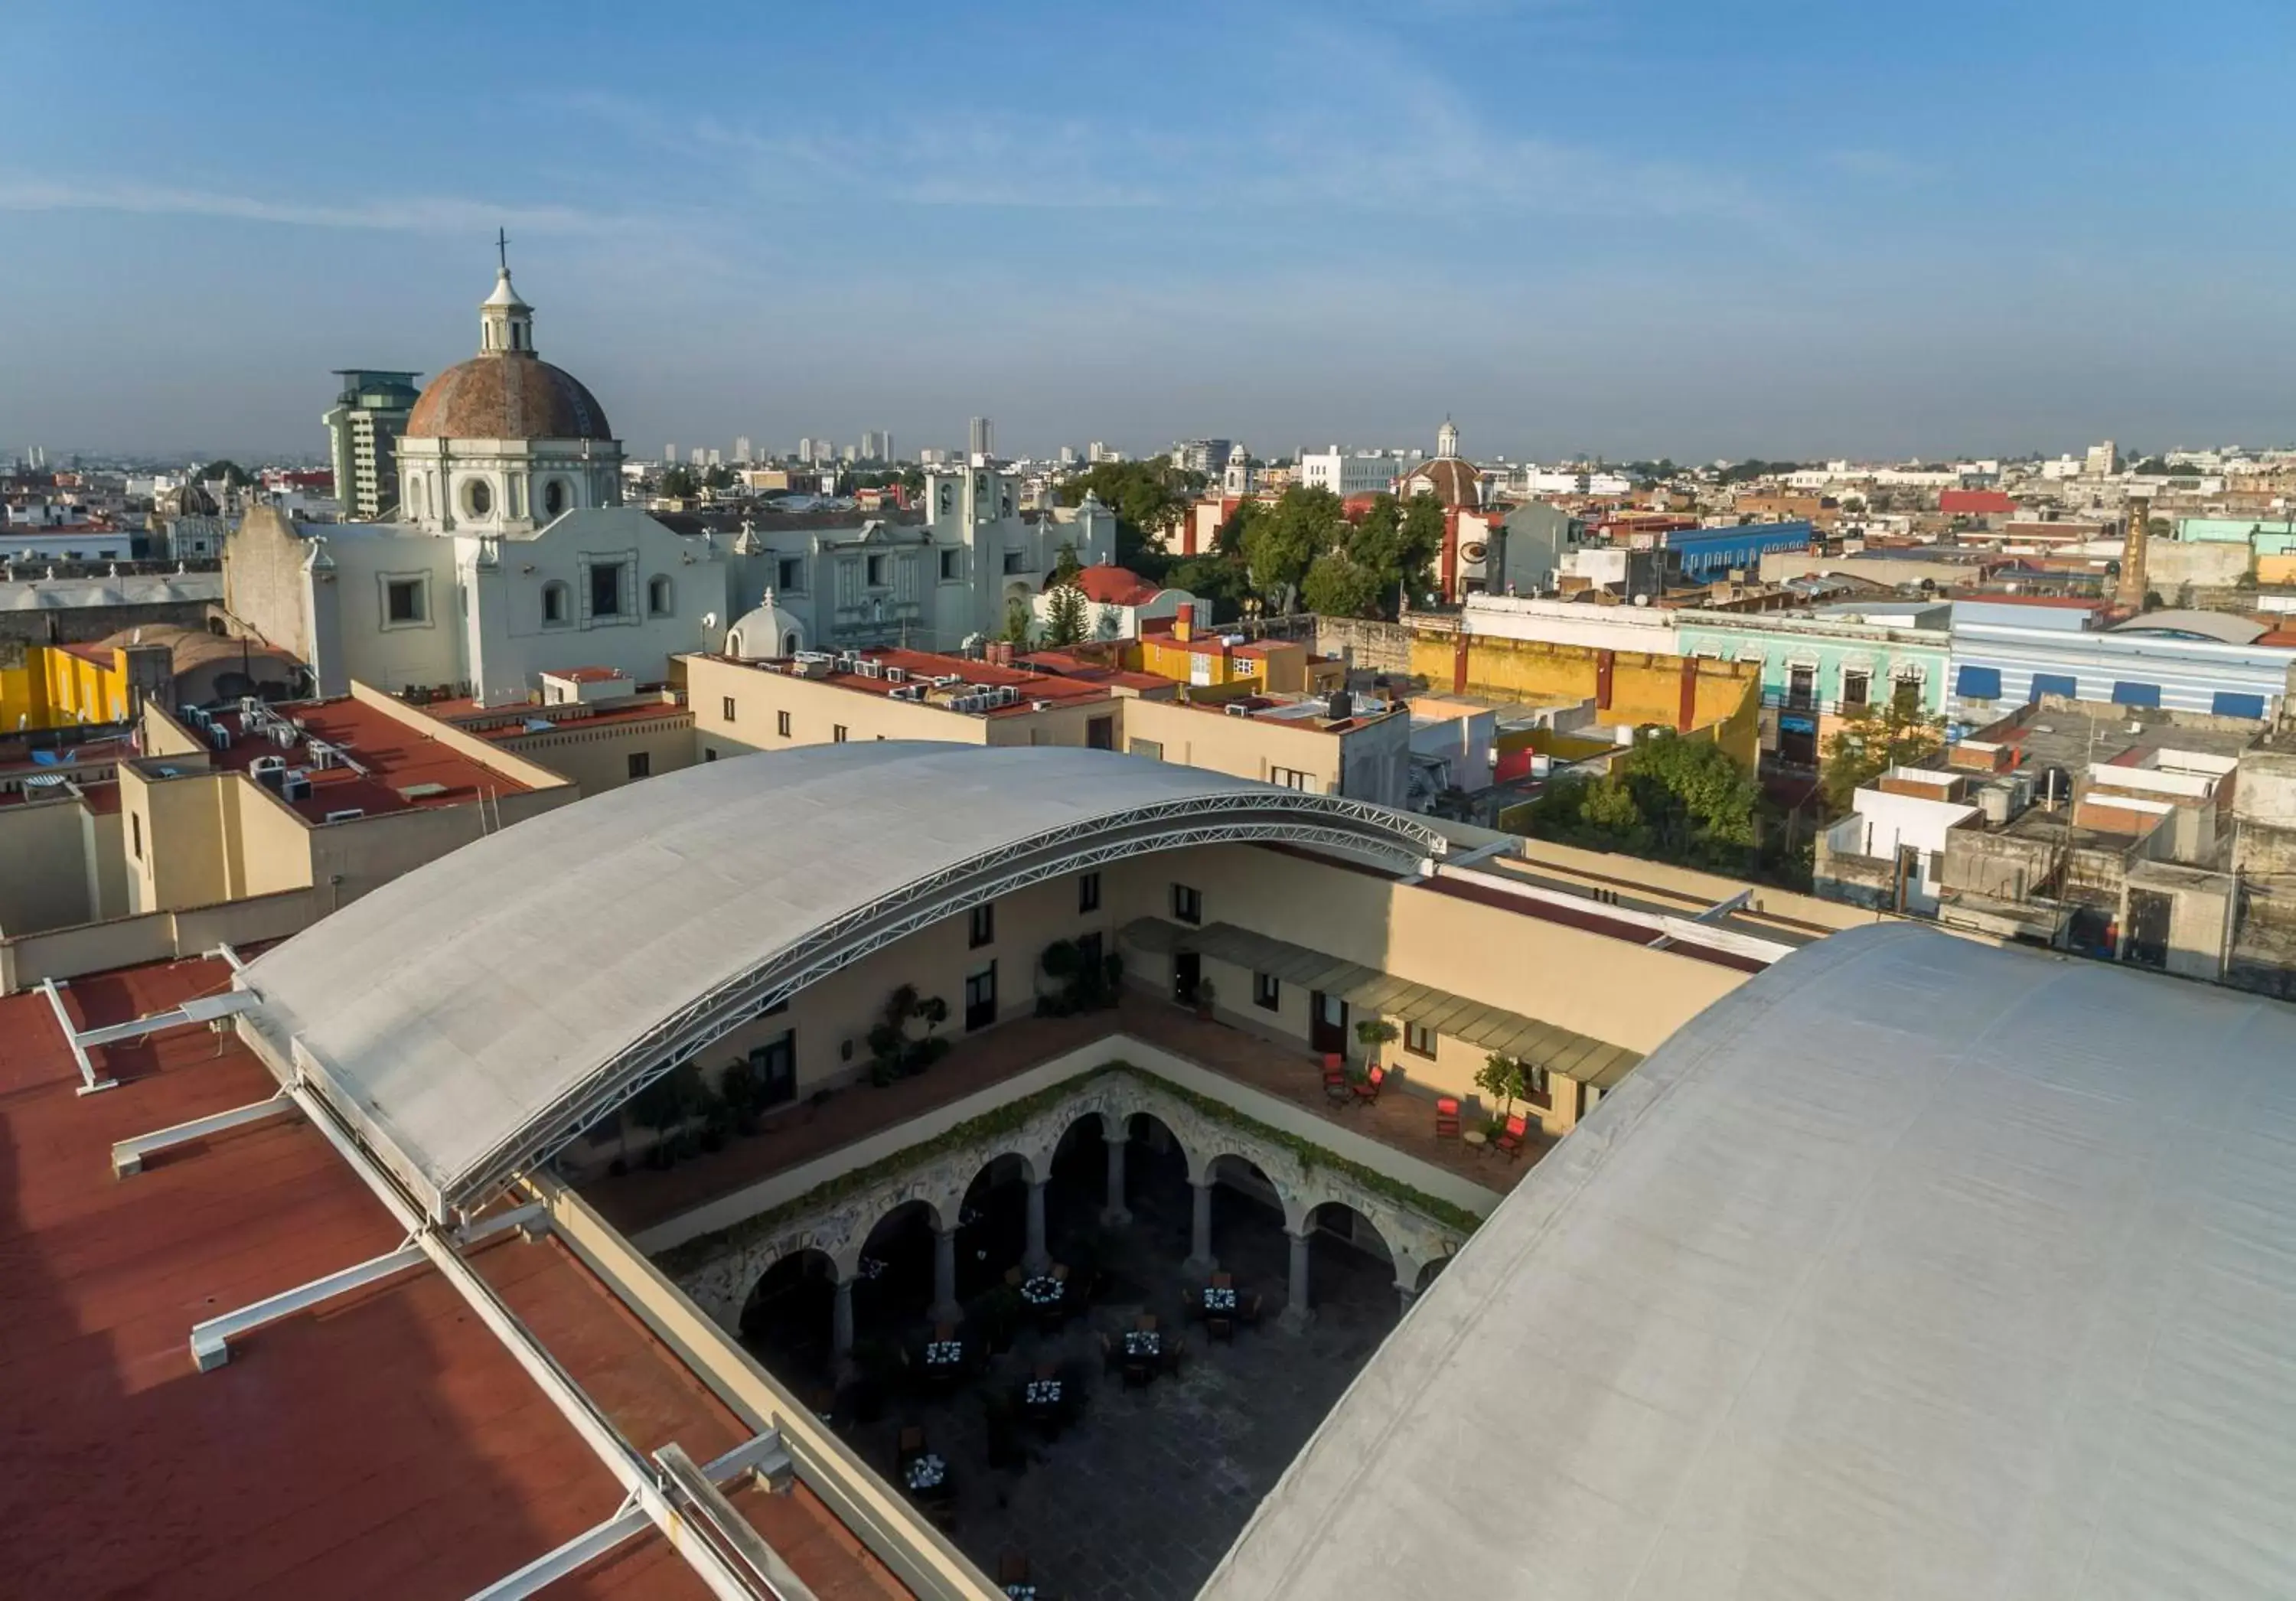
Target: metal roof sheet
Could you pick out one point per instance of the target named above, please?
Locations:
(1915, 1269)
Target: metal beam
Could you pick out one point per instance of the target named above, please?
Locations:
(636, 1475)
(200, 1008)
(762, 1455)
(710, 1506)
(127, 1155)
(211, 1339)
(89, 1083)
(1713, 914)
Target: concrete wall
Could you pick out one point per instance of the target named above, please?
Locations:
(595, 756)
(1382, 647)
(263, 581)
(2171, 563)
(816, 709)
(153, 937)
(44, 877)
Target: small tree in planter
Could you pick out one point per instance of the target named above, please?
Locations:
(1501, 1078)
(1373, 1032)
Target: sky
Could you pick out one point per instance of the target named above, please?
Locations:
(1787, 228)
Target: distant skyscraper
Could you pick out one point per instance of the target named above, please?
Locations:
(805, 450)
(1068, 455)
(2104, 460)
(362, 428)
(885, 445)
(697, 457)
(851, 452)
(716, 458)
(669, 456)
(1098, 451)
(980, 437)
(742, 450)
(1207, 456)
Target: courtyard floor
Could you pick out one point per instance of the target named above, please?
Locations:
(1141, 1496)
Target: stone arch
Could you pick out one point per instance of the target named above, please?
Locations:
(788, 1265)
(1388, 1246)
(938, 1212)
(1424, 1274)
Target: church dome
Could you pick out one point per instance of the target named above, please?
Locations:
(504, 395)
(506, 391)
(1452, 480)
(766, 632)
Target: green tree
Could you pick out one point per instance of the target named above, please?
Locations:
(1223, 581)
(718, 477)
(677, 484)
(1670, 797)
(231, 472)
(1065, 565)
(1423, 543)
(1502, 1080)
(1337, 586)
(1019, 623)
(1149, 499)
(1064, 615)
(1870, 742)
(1281, 544)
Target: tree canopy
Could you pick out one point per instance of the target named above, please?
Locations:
(678, 483)
(1871, 741)
(1065, 623)
(233, 474)
(1670, 797)
(1149, 499)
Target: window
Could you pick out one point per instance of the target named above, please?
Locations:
(1292, 778)
(1419, 1040)
(1152, 748)
(877, 573)
(952, 565)
(658, 597)
(606, 589)
(478, 499)
(1187, 904)
(789, 574)
(1100, 734)
(781, 724)
(135, 825)
(1016, 562)
(1906, 693)
(1088, 892)
(554, 596)
(1267, 990)
(641, 764)
(837, 734)
(726, 709)
(2127, 692)
(709, 752)
(1857, 687)
(1979, 682)
(402, 600)
(983, 931)
(554, 498)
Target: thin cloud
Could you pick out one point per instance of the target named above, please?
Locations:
(415, 214)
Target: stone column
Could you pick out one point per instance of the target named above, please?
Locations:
(841, 1327)
(1296, 1311)
(1115, 1214)
(1405, 1295)
(945, 1307)
(1038, 1259)
(1201, 1262)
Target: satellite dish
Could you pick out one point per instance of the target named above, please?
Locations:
(709, 622)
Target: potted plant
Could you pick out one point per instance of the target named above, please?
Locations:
(1375, 1032)
(1501, 1078)
(1205, 995)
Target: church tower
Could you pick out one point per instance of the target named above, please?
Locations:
(1447, 440)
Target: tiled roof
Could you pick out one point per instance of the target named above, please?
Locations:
(507, 397)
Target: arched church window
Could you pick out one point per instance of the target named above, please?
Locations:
(478, 499)
(554, 498)
(658, 596)
(414, 496)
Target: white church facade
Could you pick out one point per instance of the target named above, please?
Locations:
(512, 554)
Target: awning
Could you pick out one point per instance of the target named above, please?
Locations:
(1559, 1050)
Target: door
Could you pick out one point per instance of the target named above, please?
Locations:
(2148, 928)
(1801, 688)
(775, 1064)
(1327, 1023)
(980, 998)
(1187, 972)
(1100, 734)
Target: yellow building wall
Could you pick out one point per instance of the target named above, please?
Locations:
(1644, 687)
(2276, 570)
(80, 691)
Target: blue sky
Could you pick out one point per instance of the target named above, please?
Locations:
(1786, 227)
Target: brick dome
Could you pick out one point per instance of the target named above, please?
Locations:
(507, 395)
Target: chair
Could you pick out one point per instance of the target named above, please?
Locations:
(1061, 1272)
(1510, 1140)
(1221, 1326)
(1108, 1359)
(1336, 1087)
(1367, 1091)
(1446, 1117)
(1145, 1323)
(944, 1331)
(912, 1443)
(1011, 1568)
(1248, 1307)
(1174, 1349)
(1012, 1276)
(1222, 1281)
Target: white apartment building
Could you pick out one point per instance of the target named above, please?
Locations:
(1350, 472)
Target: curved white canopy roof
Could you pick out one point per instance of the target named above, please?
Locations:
(476, 1014)
(1912, 1270)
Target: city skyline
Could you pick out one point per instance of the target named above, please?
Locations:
(1699, 237)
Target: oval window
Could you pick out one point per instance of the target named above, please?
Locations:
(553, 498)
(478, 498)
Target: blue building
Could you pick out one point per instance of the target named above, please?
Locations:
(1705, 555)
(2006, 656)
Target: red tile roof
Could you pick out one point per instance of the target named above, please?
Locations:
(1974, 503)
(385, 1446)
(396, 756)
(1112, 586)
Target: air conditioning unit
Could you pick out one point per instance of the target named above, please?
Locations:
(1006, 696)
(283, 735)
(266, 764)
(897, 675)
(1235, 710)
(297, 785)
(345, 815)
(871, 668)
(219, 737)
(322, 754)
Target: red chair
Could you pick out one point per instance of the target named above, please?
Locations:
(1509, 1142)
(1367, 1091)
(1336, 1087)
(1446, 1117)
